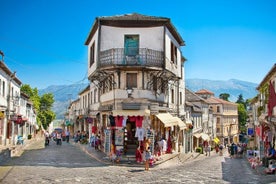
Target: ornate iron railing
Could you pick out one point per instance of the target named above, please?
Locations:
(117, 56)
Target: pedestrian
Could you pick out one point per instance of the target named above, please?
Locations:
(47, 138)
(232, 150)
(58, 134)
(217, 148)
(147, 153)
(220, 149)
(209, 150)
(67, 134)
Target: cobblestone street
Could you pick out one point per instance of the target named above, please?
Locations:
(69, 164)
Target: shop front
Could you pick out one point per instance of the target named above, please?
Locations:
(124, 131)
(170, 129)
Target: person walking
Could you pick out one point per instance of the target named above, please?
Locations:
(67, 134)
(58, 134)
(47, 138)
(209, 150)
(147, 153)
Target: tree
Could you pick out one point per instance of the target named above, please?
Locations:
(42, 105)
(33, 94)
(241, 100)
(46, 115)
(242, 115)
(224, 96)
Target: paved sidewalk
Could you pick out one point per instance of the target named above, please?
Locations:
(124, 161)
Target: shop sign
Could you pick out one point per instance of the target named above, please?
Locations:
(107, 141)
(119, 137)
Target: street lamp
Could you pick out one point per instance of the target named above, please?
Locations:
(129, 92)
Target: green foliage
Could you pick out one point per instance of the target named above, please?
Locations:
(242, 115)
(42, 105)
(33, 94)
(224, 96)
(199, 150)
(26, 89)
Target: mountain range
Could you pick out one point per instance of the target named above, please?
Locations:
(64, 94)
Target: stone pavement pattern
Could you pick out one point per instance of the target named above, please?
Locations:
(69, 164)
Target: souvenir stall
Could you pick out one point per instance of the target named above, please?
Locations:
(124, 133)
(166, 132)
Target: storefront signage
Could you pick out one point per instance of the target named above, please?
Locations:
(107, 139)
(250, 131)
(119, 137)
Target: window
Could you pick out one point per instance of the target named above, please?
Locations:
(3, 89)
(91, 95)
(92, 54)
(180, 98)
(95, 95)
(131, 45)
(88, 99)
(218, 109)
(154, 83)
(173, 53)
(172, 93)
(131, 80)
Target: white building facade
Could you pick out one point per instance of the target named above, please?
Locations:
(136, 74)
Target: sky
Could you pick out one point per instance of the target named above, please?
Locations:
(43, 40)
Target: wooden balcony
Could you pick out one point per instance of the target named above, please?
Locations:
(145, 58)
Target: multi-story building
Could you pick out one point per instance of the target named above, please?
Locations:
(265, 111)
(9, 98)
(136, 74)
(225, 116)
(201, 119)
(17, 116)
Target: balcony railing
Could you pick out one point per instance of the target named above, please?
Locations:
(117, 56)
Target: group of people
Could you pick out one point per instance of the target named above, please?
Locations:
(81, 137)
(236, 150)
(56, 136)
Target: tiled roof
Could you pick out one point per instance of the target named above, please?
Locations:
(134, 20)
(192, 97)
(214, 100)
(204, 91)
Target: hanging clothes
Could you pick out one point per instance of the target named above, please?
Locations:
(132, 118)
(119, 121)
(111, 120)
(94, 129)
(140, 133)
(124, 121)
(139, 121)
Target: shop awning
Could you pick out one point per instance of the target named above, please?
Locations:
(167, 119)
(197, 135)
(181, 124)
(205, 137)
(145, 112)
(93, 114)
